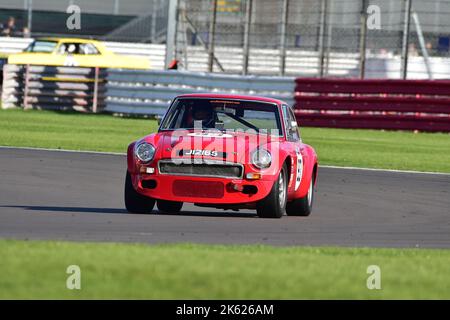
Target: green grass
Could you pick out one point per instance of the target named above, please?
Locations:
(342, 147)
(74, 131)
(401, 150)
(184, 271)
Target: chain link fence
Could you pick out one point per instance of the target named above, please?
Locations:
(113, 20)
(318, 38)
(344, 38)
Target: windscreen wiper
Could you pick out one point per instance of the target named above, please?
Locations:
(244, 122)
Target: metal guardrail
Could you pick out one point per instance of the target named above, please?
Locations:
(53, 88)
(13, 44)
(338, 103)
(150, 92)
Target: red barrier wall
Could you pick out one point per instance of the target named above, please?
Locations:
(373, 104)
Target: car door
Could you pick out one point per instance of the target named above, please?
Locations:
(76, 54)
(88, 55)
(294, 139)
(65, 54)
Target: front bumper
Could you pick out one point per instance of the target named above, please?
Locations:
(205, 190)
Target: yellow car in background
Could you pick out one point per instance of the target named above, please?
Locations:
(76, 53)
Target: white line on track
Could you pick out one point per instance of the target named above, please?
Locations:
(322, 166)
(384, 170)
(64, 150)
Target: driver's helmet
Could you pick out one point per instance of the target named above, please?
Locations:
(71, 48)
(204, 114)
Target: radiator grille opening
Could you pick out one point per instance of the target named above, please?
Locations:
(198, 189)
(201, 169)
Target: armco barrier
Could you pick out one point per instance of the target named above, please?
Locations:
(150, 92)
(374, 104)
(54, 88)
(338, 103)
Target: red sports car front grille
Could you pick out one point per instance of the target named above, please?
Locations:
(198, 189)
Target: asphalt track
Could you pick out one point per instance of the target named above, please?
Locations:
(78, 196)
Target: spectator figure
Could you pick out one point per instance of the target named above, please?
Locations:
(9, 29)
(26, 32)
(413, 50)
(429, 47)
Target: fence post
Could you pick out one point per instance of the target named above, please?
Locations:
(3, 93)
(25, 90)
(155, 8)
(423, 47)
(116, 7)
(284, 21)
(211, 35)
(30, 15)
(95, 97)
(329, 31)
(363, 40)
(405, 40)
(171, 37)
(323, 15)
(248, 18)
(184, 29)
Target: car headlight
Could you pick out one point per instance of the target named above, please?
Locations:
(145, 152)
(261, 158)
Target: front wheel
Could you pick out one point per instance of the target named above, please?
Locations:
(169, 206)
(302, 206)
(134, 201)
(274, 205)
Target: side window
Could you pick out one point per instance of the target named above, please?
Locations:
(62, 48)
(290, 124)
(295, 128)
(68, 48)
(87, 48)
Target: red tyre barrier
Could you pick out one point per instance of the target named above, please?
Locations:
(374, 104)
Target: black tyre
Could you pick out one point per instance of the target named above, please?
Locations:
(169, 206)
(274, 205)
(302, 206)
(134, 201)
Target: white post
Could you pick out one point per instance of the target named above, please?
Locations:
(405, 41)
(284, 21)
(423, 47)
(171, 31)
(246, 49)
(30, 15)
(323, 22)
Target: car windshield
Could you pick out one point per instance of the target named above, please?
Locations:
(223, 114)
(41, 46)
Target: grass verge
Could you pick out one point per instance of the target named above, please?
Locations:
(341, 147)
(38, 270)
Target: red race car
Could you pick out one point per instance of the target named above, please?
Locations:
(223, 151)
